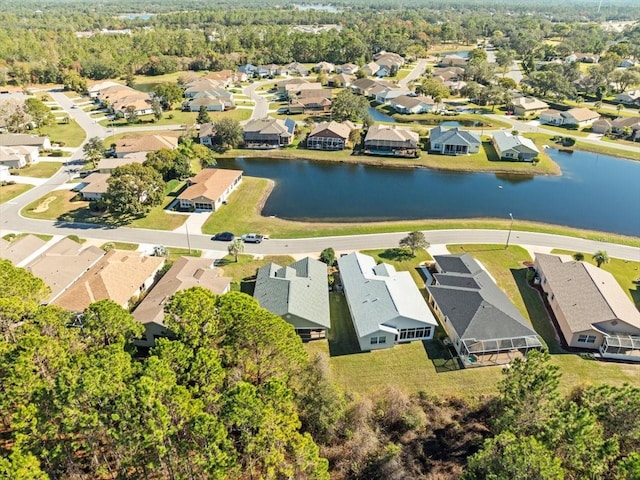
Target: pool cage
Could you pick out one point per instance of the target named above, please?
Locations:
(619, 346)
(496, 351)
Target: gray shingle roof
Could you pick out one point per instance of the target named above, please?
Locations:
(443, 135)
(473, 303)
(378, 295)
(299, 293)
(507, 141)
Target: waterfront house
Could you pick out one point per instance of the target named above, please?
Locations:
(268, 133)
(299, 293)
(386, 306)
(330, 136)
(391, 140)
(579, 117)
(602, 126)
(209, 189)
(408, 104)
(514, 147)
(388, 94)
(453, 141)
(591, 309)
(186, 272)
(484, 327)
(206, 134)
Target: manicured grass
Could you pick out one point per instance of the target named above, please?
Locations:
(175, 253)
(624, 271)
(70, 134)
(544, 139)
(145, 83)
(9, 192)
(10, 237)
(487, 160)
(178, 117)
(566, 132)
(244, 271)
(59, 206)
(431, 120)
(242, 214)
(38, 170)
(121, 246)
(401, 259)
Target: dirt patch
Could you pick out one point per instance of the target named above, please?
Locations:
(44, 205)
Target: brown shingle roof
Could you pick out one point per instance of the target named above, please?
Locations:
(146, 143)
(96, 183)
(210, 183)
(341, 129)
(20, 249)
(118, 276)
(582, 114)
(185, 273)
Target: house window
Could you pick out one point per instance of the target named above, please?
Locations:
(374, 340)
(587, 339)
(382, 339)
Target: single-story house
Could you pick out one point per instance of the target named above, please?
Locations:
(295, 89)
(20, 250)
(389, 93)
(24, 139)
(209, 189)
(210, 102)
(342, 80)
(591, 309)
(362, 86)
(391, 140)
(602, 126)
(203, 85)
(453, 141)
(325, 67)
(413, 104)
(62, 264)
(310, 105)
(145, 143)
(484, 326)
(19, 156)
(525, 106)
(347, 68)
(628, 62)
(281, 85)
(370, 68)
(110, 94)
(579, 117)
(206, 133)
(298, 293)
(108, 165)
(452, 61)
(119, 276)
(140, 102)
(330, 136)
(448, 73)
(268, 133)
(270, 69)
(388, 58)
(94, 186)
(186, 272)
(247, 69)
(296, 68)
(386, 306)
(94, 90)
(514, 147)
(630, 97)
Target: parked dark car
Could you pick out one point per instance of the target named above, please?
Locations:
(224, 237)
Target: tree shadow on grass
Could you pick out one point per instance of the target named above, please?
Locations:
(396, 254)
(541, 320)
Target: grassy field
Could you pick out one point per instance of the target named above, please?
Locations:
(242, 214)
(60, 205)
(565, 131)
(175, 253)
(178, 117)
(38, 170)
(121, 246)
(9, 192)
(624, 271)
(244, 271)
(70, 134)
(145, 83)
(422, 366)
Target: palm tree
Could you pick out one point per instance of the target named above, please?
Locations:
(601, 257)
(619, 108)
(578, 256)
(598, 105)
(236, 248)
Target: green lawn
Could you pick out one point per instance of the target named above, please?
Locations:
(401, 259)
(38, 170)
(145, 83)
(15, 236)
(475, 122)
(565, 131)
(66, 134)
(424, 366)
(242, 214)
(9, 192)
(624, 271)
(121, 246)
(244, 271)
(178, 117)
(175, 253)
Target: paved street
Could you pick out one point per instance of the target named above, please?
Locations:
(261, 108)
(417, 71)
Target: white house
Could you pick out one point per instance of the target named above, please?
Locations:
(629, 97)
(5, 176)
(386, 306)
(410, 104)
(210, 189)
(514, 147)
(453, 141)
(578, 117)
(19, 156)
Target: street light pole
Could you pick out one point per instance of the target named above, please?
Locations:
(506, 245)
(186, 226)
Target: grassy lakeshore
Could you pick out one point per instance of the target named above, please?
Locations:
(242, 214)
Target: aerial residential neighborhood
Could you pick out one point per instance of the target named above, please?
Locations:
(320, 241)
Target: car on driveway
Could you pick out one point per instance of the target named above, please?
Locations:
(224, 237)
(252, 238)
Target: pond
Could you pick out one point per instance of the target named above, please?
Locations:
(595, 192)
(379, 116)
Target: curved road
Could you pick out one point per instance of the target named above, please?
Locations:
(11, 220)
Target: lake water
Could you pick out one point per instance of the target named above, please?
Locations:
(379, 116)
(595, 192)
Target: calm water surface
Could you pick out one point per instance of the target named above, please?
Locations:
(595, 191)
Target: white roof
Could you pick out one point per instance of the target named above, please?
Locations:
(379, 297)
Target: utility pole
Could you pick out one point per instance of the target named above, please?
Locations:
(186, 227)
(506, 245)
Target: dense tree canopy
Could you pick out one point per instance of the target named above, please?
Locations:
(133, 189)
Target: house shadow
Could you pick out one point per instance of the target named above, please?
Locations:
(342, 336)
(542, 321)
(248, 285)
(443, 358)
